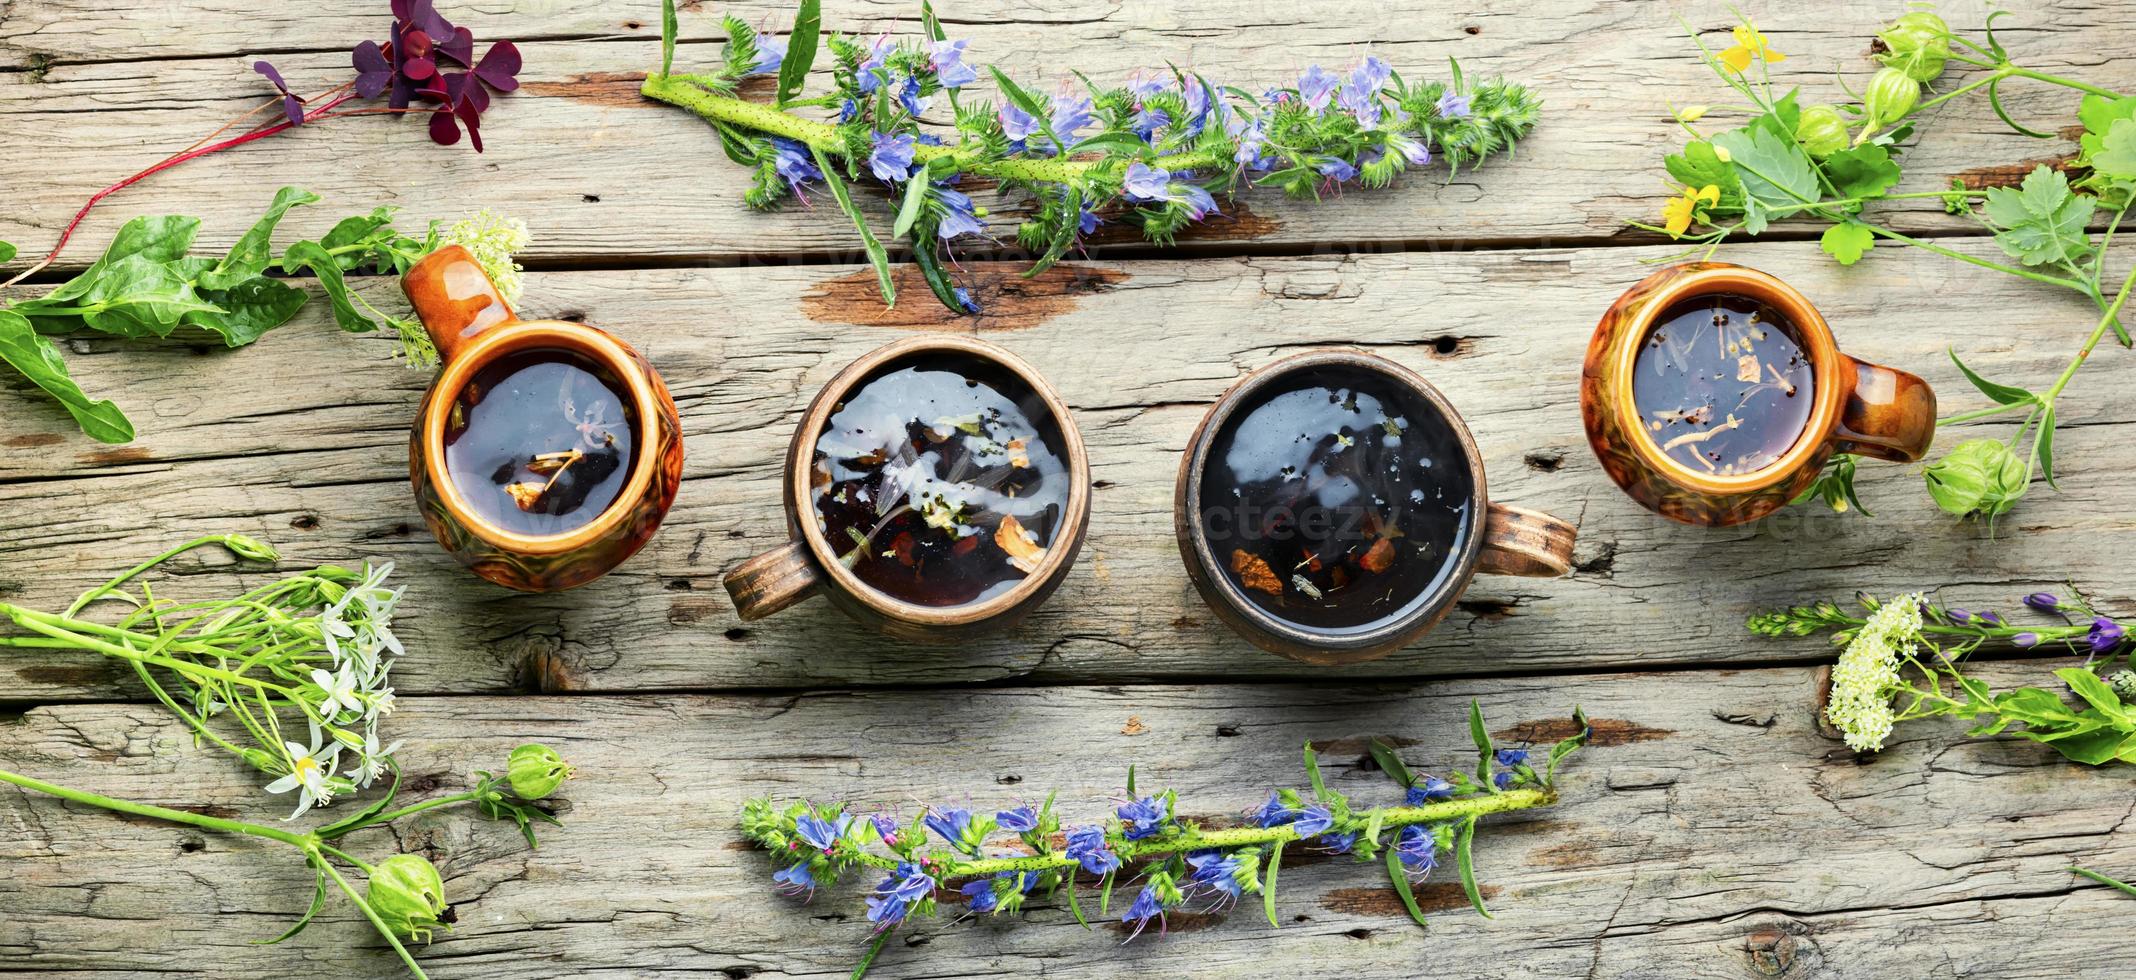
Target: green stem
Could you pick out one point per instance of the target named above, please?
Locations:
(62, 628)
(1884, 232)
(379, 818)
(1391, 818)
(93, 594)
(2040, 76)
(2104, 880)
(2098, 333)
(160, 813)
(678, 91)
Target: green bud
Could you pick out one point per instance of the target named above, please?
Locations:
(1919, 43)
(1980, 476)
(249, 548)
(2124, 683)
(536, 771)
(1821, 130)
(1891, 95)
(408, 896)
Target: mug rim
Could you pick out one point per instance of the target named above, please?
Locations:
(1826, 362)
(1067, 540)
(587, 341)
(1194, 465)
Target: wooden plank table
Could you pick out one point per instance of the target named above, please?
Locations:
(1714, 830)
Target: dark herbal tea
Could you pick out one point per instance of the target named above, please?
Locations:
(1722, 384)
(940, 482)
(1334, 499)
(540, 441)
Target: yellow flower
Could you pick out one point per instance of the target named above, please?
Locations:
(1677, 214)
(1692, 113)
(1749, 45)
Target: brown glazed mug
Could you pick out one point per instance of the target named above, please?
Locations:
(1485, 537)
(473, 326)
(807, 564)
(1858, 407)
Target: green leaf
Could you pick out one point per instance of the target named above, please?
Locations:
(2043, 445)
(318, 902)
(157, 238)
(1268, 884)
(255, 248)
(915, 200)
(667, 37)
(800, 50)
(2117, 151)
(1847, 241)
(38, 359)
(2104, 880)
(1111, 143)
(1068, 878)
(1401, 886)
(1775, 172)
(7, 252)
(2092, 748)
(135, 296)
(1698, 166)
(2001, 394)
(2098, 693)
(248, 310)
(1861, 171)
(1023, 99)
(1063, 234)
(1130, 780)
(1312, 772)
(1105, 895)
(1569, 745)
(341, 827)
(923, 255)
(875, 948)
(1391, 764)
(311, 256)
(2043, 222)
(1462, 839)
(1483, 747)
(876, 255)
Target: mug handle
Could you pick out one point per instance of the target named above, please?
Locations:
(773, 581)
(1890, 415)
(454, 298)
(1528, 543)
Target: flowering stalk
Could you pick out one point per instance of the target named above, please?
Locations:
(1831, 162)
(1178, 860)
(1894, 670)
(405, 896)
(1159, 149)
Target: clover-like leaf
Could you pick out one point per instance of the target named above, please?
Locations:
(1862, 171)
(2043, 222)
(1847, 241)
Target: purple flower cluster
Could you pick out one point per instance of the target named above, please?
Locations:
(1088, 847)
(1428, 789)
(1065, 116)
(1155, 185)
(1144, 818)
(895, 897)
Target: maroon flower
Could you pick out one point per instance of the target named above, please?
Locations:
(428, 58)
(293, 104)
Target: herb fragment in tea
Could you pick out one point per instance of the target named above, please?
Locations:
(540, 442)
(1722, 385)
(940, 483)
(1335, 499)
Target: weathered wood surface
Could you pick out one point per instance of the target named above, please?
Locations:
(1712, 832)
(301, 440)
(101, 91)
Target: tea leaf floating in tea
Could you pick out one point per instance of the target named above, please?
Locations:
(1723, 385)
(940, 482)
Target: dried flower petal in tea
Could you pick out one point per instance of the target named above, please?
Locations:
(1723, 385)
(540, 441)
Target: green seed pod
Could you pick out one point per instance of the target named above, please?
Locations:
(1918, 44)
(408, 896)
(249, 548)
(1891, 95)
(1821, 130)
(1977, 476)
(536, 771)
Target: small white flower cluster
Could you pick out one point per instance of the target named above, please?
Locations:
(1867, 671)
(357, 630)
(492, 238)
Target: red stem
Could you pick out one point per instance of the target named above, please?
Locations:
(166, 164)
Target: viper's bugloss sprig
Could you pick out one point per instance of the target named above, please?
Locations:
(1901, 663)
(1177, 861)
(1159, 150)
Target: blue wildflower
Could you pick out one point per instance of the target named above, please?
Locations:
(2105, 635)
(1315, 86)
(1340, 843)
(1023, 819)
(965, 300)
(2045, 602)
(961, 219)
(1432, 788)
(1216, 870)
(1144, 84)
(1313, 821)
(1145, 817)
(1360, 99)
(1197, 200)
(1991, 619)
(1148, 121)
(1336, 169)
(1417, 850)
(1273, 813)
(871, 72)
(792, 161)
(1453, 106)
(947, 57)
(1960, 616)
(1411, 150)
(1017, 124)
(1198, 106)
(819, 833)
(1148, 905)
(1146, 183)
(1512, 757)
(953, 825)
(1252, 139)
(1087, 846)
(795, 879)
(771, 51)
(908, 95)
(1505, 778)
(2026, 640)
(894, 898)
(1068, 117)
(891, 157)
(847, 110)
(1371, 75)
(885, 827)
(986, 897)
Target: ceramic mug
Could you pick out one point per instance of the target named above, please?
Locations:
(1488, 537)
(808, 565)
(1857, 407)
(473, 326)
